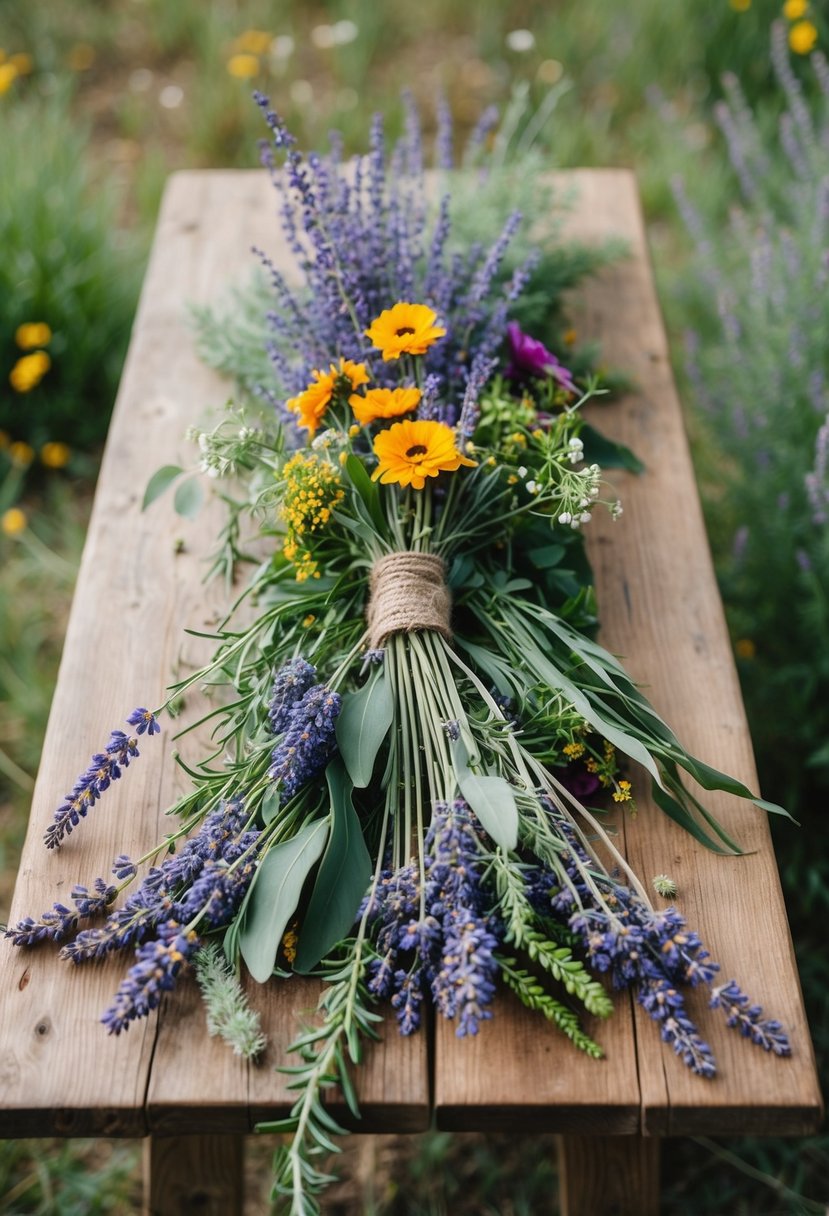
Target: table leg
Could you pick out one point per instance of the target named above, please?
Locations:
(609, 1175)
(193, 1176)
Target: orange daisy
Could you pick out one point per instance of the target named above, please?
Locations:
(409, 452)
(383, 403)
(405, 329)
(313, 401)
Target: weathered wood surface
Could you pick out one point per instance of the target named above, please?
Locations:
(61, 1073)
(660, 610)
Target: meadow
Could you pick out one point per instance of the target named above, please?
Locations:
(722, 107)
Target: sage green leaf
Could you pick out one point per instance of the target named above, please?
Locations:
(188, 498)
(490, 797)
(362, 725)
(606, 452)
(159, 482)
(342, 879)
(368, 490)
(270, 804)
(274, 896)
(681, 815)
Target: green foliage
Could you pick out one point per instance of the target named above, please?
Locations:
(63, 264)
(68, 1178)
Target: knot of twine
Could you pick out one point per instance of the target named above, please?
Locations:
(408, 592)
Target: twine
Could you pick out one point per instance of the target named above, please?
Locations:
(408, 592)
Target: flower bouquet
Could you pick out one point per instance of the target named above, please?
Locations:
(407, 789)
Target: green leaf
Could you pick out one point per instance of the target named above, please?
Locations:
(606, 452)
(362, 725)
(188, 498)
(342, 879)
(274, 896)
(271, 803)
(368, 490)
(159, 482)
(491, 798)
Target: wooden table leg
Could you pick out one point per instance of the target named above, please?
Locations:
(193, 1176)
(609, 1175)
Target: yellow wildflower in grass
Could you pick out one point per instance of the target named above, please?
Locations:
(21, 454)
(23, 62)
(13, 521)
(29, 370)
(573, 750)
(740, 6)
(623, 793)
(793, 10)
(243, 65)
(383, 403)
(253, 42)
(339, 381)
(55, 455)
(8, 75)
(311, 491)
(31, 334)
(745, 648)
(803, 37)
(409, 452)
(405, 329)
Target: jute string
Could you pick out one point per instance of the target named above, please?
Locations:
(408, 592)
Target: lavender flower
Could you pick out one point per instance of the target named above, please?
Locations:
(290, 685)
(156, 971)
(308, 742)
(529, 357)
(747, 1018)
(104, 768)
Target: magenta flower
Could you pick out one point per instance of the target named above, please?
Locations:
(529, 357)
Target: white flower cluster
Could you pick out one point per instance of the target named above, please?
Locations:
(225, 449)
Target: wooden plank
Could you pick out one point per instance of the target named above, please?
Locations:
(661, 612)
(608, 1175)
(137, 591)
(193, 1176)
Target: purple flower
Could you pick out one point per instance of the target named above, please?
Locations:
(308, 742)
(290, 685)
(155, 972)
(529, 357)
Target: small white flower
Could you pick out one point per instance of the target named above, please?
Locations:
(533, 487)
(343, 32)
(565, 517)
(520, 41)
(585, 517)
(522, 472)
(282, 46)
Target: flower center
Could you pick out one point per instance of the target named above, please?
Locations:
(405, 329)
(417, 450)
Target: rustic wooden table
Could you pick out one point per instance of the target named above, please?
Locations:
(138, 588)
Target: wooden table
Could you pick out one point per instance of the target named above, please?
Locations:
(138, 587)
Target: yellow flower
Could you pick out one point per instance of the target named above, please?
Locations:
(32, 334)
(793, 10)
(573, 750)
(623, 793)
(8, 75)
(13, 521)
(383, 403)
(21, 454)
(745, 648)
(29, 370)
(243, 65)
(802, 37)
(405, 329)
(313, 401)
(409, 452)
(55, 455)
(740, 6)
(253, 42)
(23, 62)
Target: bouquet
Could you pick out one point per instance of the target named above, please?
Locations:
(420, 735)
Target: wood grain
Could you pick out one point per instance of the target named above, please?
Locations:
(660, 610)
(608, 1175)
(60, 1072)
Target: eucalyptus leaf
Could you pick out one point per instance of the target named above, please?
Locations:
(274, 896)
(271, 803)
(342, 879)
(490, 797)
(188, 498)
(159, 482)
(362, 725)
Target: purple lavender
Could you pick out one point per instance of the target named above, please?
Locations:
(104, 768)
(747, 1018)
(308, 742)
(290, 685)
(156, 971)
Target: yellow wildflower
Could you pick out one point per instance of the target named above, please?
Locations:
(21, 454)
(383, 403)
(289, 943)
(311, 491)
(29, 370)
(13, 521)
(31, 334)
(243, 65)
(409, 452)
(740, 6)
(745, 648)
(802, 37)
(623, 793)
(573, 750)
(253, 42)
(307, 621)
(569, 337)
(405, 329)
(793, 10)
(55, 455)
(8, 75)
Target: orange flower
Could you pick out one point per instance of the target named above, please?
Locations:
(313, 401)
(409, 452)
(383, 403)
(405, 329)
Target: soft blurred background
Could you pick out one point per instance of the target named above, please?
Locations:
(722, 107)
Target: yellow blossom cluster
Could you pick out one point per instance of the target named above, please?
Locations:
(30, 369)
(311, 491)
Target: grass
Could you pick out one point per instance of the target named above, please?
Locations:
(122, 92)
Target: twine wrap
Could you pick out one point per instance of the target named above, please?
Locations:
(408, 592)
